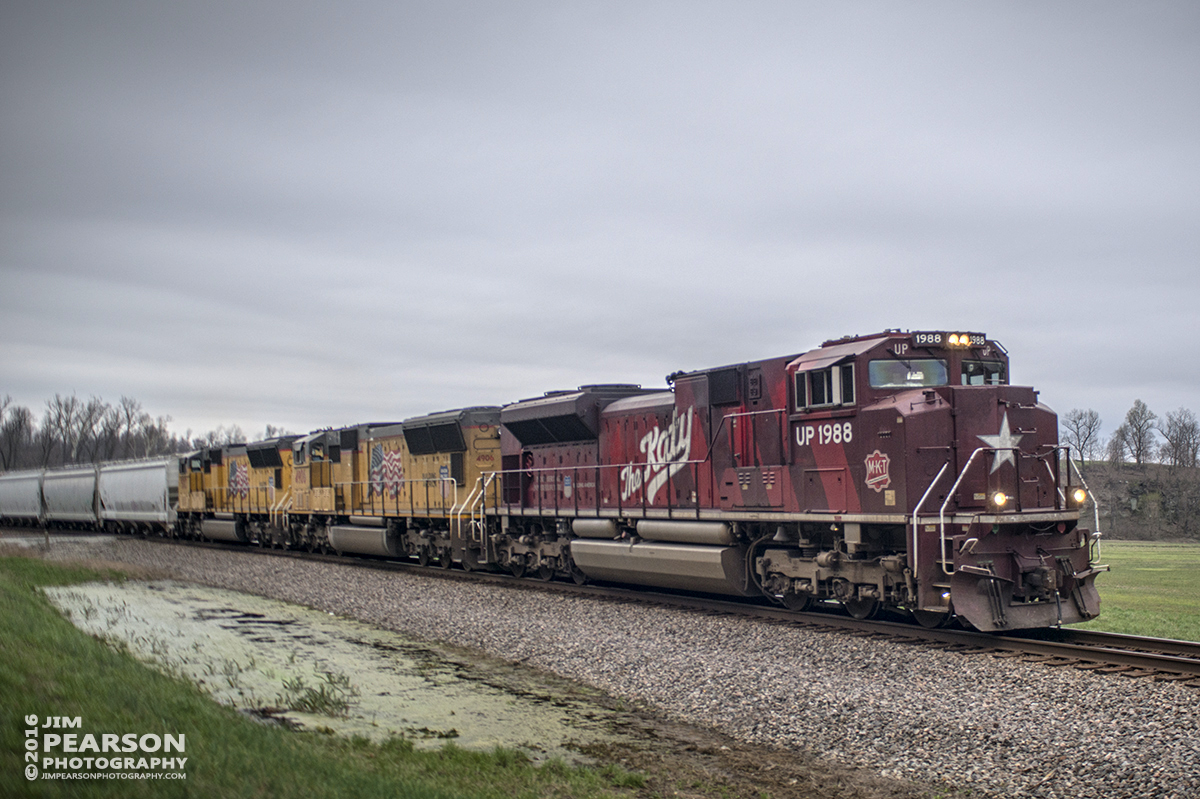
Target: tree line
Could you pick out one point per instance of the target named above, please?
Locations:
(73, 430)
(1144, 474)
(1137, 439)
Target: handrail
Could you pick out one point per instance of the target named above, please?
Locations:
(426, 481)
(962, 474)
(477, 506)
(457, 510)
(950, 496)
(917, 510)
(281, 507)
(599, 467)
(1092, 561)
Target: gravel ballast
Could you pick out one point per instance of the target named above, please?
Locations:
(988, 726)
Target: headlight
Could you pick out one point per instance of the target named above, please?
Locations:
(1079, 495)
(999, 499)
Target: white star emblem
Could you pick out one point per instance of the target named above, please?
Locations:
(1003, 444)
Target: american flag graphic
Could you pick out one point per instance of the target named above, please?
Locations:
(239, 480)
(387, 471)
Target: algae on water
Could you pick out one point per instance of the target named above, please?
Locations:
(325, 672)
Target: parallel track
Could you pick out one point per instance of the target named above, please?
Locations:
(1111, 653)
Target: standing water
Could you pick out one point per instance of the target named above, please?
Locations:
(324, 672)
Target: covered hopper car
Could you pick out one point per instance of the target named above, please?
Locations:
(119, 496)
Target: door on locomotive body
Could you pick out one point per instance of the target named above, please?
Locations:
(237, 479)
(819, 438)
(322, 453)
(214, 480)
(301, 474)
(750, 405)
(261, 479)
(482, 457)
(341, 470)
(348, 483)
(384, 469)
(283, 480)
(561, 476)
(538, 477)
(191, 482)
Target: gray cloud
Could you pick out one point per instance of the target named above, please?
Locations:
(313, 214)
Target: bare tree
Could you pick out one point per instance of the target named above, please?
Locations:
(1182, 433)
(1139, 427)
(157, 440)
(60, 427)
(132, 419)
(1081, 430)
(271, 431)
(220, 437)
(16, 435)
(106, 436)
(89, 424)
(1116, 446)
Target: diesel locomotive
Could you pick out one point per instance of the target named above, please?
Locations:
(899, 470)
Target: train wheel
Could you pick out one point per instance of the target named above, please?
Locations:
(517, 566)
(577, 575)
(861, 609)
(545, 573)
(423, 556)
(931, 619)
(797, 602)
(445, 560)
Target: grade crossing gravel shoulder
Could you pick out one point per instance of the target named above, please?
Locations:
(988, 726)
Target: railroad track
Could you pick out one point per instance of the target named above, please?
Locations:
(1108, 653)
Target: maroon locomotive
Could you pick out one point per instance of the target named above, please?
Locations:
(895, 470)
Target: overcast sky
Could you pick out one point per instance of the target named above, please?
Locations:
(311, 214)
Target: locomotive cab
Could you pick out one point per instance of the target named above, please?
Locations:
(961, 501)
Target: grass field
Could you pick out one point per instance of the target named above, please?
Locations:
(1153, 589)
(50, 668)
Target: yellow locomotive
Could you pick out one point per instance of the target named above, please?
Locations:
(390, 489)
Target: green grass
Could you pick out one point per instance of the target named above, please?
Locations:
(49, 668)
(1153, 589)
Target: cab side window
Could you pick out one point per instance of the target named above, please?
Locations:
(825, 387)
(983, 373)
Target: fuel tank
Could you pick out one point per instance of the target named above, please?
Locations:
(707, 569)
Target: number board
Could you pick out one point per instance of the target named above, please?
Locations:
(940, 339)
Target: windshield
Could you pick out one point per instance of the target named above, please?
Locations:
(983, 373)
(907, 374)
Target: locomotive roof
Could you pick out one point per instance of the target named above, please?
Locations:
(486, 414)
(272, 443)
(827, 354)
(562, 416)
(655, 400)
